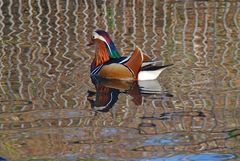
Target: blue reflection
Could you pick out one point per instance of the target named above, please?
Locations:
(3, 159)
(194, 157)
(110, 131)
(168, 139)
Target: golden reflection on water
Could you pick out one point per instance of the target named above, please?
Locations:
(44, 80)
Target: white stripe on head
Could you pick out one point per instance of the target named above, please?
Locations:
(97, 36)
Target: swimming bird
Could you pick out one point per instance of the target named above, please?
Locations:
(108, 63)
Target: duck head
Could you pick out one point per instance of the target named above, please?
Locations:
(105, 48)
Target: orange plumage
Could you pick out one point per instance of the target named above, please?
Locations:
(135, 62)
(101, 53)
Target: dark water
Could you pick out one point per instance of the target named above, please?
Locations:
(50, 110)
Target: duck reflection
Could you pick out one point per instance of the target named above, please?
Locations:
(107, 92)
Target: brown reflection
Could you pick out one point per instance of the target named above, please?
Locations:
(107, 92)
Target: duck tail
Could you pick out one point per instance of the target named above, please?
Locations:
(151, 72)
(135, 62)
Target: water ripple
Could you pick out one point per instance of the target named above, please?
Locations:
(164, 28)
(49, 34)
(47, 53)
(153, 48)
(227, 44)
(11, 65)
(2, 50)
(237, 46)
(144, 27)
(133, 35)
(115, 28)
(38, 61)
(194, 40)
(19, 53)
(66, 45)
(105, 17)
(85, 33)
(204, 41)
(174, 27)
(29, 53)
(96, 15)
(56, 56)
(184, 32)
(124, 28)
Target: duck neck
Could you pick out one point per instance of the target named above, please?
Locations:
(113, 50)
(101, 55)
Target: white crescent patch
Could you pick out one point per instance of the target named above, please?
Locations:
(97, 36)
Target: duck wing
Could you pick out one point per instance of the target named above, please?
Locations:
(124, 68)
(134, 62)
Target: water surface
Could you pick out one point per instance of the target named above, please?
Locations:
(48, 103)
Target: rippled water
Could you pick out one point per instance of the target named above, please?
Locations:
(49, 106)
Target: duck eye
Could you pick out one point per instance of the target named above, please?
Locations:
(93, 37)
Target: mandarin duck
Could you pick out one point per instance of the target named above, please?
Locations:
(108, 63)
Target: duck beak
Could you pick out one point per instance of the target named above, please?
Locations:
(91, 42)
